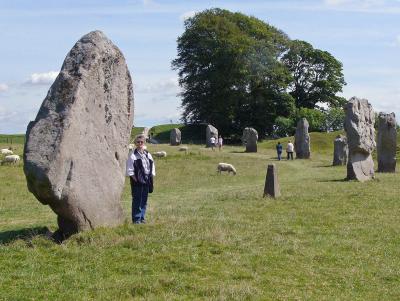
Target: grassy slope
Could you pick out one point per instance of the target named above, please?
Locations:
(215, 237)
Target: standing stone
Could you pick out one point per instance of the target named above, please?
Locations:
(145, 132)
(211, 132)
(359, 126)
(175, 137)
(340, 151)
(302, 140)
(271, 187)
(387, 142)
(249, 138)
(75, 151)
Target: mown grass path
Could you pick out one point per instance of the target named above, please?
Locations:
(214, 237)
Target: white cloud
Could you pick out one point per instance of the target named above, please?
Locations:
(3, 87)
(166, 85)
(187, 15)
(43, 78)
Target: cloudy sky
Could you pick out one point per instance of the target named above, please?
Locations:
(36, 36)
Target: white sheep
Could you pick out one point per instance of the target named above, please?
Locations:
(6, 152)
(226, 167)
(11, 159)
(183, 149)
(160, 154)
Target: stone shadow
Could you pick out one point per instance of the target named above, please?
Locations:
(25, 234)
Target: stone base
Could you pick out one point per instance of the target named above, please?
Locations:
(360, 167)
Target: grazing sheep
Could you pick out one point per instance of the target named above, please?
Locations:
(160, 154)
(12, 159)
(183, 149)
(226, 167)
(5, 151)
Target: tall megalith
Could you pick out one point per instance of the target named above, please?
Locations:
(211, 131)
(387, 142)
(249, 139)
(302, 140)
(175, 136)
(340, 150)
(75, 149)
(359, 126)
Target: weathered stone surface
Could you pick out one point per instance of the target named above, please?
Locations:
(340, 151)
(75, 151)
(145, 132)
(175, 137)
(302, 140)
(387, 142)
(249, 139)
(271, 187)
(211, 132)
(359, 126)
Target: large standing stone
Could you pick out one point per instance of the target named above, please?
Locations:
(211, 132)
(249, 138)
(302, 140)
(145, 132)
(387, 142)
(359, 126)
(340, 151)
(175, 137)
(75, 152)
(271, 187)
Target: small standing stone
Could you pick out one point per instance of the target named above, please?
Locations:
(387, 142)
(302, 140)
(211, 132)
(175, 136)
(341, 151)
(271, 187)
(359, 126)
(249, 138)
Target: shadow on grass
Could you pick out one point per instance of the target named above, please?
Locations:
(238, 152)
(26, 234)
(334, 180)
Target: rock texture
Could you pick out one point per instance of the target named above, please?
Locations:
(359, 126)
(271, 187)
(302, 140)
(211, 132)
(175, 137)
(387, 142)
(340, 151)
(75, 151)
(250, 138)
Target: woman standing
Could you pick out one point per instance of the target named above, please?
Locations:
(140, 169)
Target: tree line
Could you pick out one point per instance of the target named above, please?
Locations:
(237, 71)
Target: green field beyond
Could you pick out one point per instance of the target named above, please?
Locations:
(213, 237)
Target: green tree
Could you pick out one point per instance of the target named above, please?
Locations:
(229, 69)
(317, 75)
(315, 118)
(335, 119)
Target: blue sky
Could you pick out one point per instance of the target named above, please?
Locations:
(37, 35)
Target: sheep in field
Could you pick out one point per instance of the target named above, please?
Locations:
(184, 149)
(226, 167)
(160, 154)
(12, 159)
(5, 151)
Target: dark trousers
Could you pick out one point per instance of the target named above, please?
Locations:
(279, 156)
(290, 154)
(139, 201)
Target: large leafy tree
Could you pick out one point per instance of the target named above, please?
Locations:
(230, 71)
(317, 75)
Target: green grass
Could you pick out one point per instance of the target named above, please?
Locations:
(214, 237)
(191, 133)
(12, 139)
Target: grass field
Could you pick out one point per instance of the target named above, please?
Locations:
(213, 237)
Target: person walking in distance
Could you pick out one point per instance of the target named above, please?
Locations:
(140, 169)
(212, 142)
(279, 150)
(220, 142)
(289, 150)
